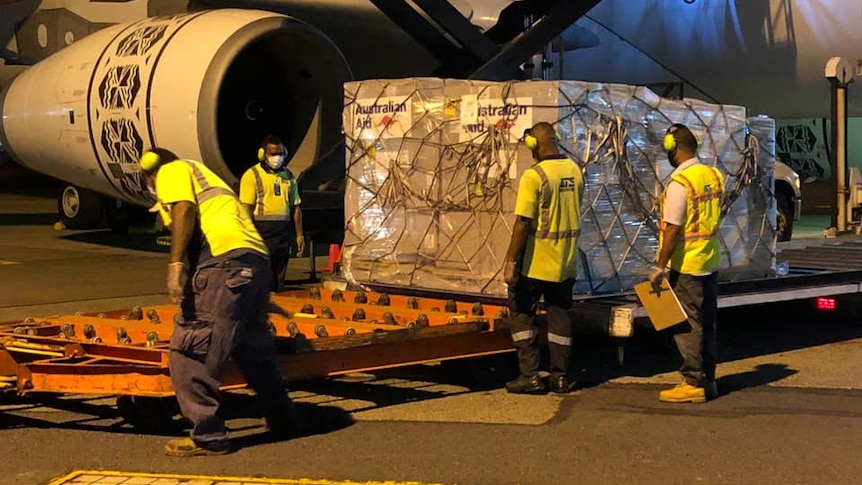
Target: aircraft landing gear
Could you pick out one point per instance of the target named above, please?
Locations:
(79, 208)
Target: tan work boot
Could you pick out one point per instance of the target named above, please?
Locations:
(683, 393)
(185, 447)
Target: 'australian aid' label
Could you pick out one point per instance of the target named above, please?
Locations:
(478, 115)
(381, 118)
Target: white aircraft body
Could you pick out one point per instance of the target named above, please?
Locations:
(88, 84)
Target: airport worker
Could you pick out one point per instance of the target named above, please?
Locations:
(271, 194)
(219, 274)
(689, 255)
(541, 260)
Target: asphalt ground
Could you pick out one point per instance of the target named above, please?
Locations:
(789, 411)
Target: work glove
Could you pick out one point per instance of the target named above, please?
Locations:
(175, 284)
(300, 245)
(510, 272)
(656, 275)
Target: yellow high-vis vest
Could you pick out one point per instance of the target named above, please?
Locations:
(224, 222)
(550, 194)
(271, 195)
(699, 248)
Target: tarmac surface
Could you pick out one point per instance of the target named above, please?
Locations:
(790, 409)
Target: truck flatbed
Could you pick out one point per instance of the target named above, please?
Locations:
(815, 268)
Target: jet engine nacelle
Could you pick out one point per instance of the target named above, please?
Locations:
(207, 85)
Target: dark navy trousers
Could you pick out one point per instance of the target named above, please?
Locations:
(523, 302)
(223, 315)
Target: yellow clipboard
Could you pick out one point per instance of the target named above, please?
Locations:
(661, 304)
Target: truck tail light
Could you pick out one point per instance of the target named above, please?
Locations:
(826, 304)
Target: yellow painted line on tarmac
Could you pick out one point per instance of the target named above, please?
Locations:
(95, 477)
(7, 263)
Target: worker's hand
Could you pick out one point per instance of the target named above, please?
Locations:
(175, 285)
(300, 245)
(656, 275)
(510, 272)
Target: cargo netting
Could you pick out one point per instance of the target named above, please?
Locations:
(433, 168)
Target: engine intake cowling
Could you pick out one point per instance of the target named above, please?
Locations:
(207, 85)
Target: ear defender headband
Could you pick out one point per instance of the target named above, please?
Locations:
(531, 141)
(669, 141)
(261, 152)
(150, 161)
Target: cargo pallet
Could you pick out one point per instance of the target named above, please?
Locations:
(319, 333)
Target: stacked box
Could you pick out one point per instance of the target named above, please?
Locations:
(433, 168)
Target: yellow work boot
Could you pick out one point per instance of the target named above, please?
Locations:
(683, 393)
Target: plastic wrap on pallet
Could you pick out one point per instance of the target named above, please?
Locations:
(433, 168)
(761, 196)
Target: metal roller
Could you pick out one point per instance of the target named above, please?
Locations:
(326, 312)
(451, 306)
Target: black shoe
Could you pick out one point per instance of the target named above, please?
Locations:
(526, 385)
(560, 384)
(711, 389)
(285, 426)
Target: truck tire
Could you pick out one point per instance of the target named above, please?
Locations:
(784, 214)
(80, 208)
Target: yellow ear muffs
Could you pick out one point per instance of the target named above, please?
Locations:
(669, 143)
(261, 153)
(532, 142)
(150, 161)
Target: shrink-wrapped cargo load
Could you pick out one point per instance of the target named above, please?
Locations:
(433, 168)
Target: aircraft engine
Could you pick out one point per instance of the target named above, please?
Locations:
(207, 85)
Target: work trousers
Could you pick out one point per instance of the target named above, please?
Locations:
(696, 339)
(523, 301)
(279, 256)
(224, 314)
(280, 238)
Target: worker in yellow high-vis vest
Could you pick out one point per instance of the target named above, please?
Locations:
(689, 255)
(271, 194)
(541, 261)
(219, 274)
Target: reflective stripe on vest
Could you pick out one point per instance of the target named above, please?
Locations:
(207, 191)
(698, 250)
(259, 212)
(543, 229)
(694, 232)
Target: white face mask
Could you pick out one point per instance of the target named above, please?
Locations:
(275, 161)
(151, 189)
